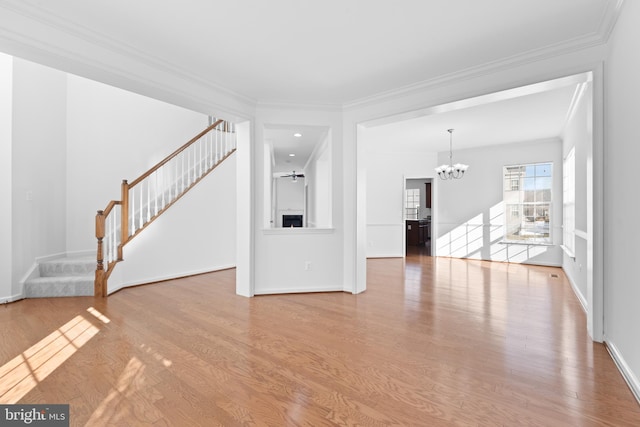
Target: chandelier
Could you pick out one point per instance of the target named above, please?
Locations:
(451, 171)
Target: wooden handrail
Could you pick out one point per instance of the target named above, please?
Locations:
(129, 230)
(174, 154)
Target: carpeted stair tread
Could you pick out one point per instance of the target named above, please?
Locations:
(59, 286)
(76, 266)
(62, 277)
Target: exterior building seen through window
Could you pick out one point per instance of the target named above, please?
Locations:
(527, 203)
(412, 203)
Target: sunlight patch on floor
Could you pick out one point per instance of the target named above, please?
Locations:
(21, 374)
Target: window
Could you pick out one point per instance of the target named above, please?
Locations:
(527, 201)
(569, 203)
(412, 203)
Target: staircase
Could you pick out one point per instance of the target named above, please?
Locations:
(62, 277)
(144, 199)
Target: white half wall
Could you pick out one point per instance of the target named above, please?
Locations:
(196, 235)
(470, 220)
(298, 259)
(621, 231)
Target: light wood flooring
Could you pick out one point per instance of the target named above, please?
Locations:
(432, 342)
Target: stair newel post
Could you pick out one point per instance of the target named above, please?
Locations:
(99, 288)
(124, 217)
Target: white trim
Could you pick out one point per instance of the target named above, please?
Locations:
(332, 288)
(12, 298)
(520, 59)
(86, 252)
(581, 234)
(568, 252)
(581, 299)
(169, 277)
(297, 230)
(390, 255)
(625, 370)
(18, 40)
(33, 272)
(46, 258)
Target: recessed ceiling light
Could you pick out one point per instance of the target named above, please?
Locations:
(292, 155)
(297, 134)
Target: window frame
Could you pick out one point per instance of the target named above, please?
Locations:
(524, 206)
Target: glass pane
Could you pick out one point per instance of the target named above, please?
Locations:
(543, 182)
(543, 169)
(529, 196)
(529, 183)
(543, 196)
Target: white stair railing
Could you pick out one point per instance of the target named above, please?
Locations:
(148, 196)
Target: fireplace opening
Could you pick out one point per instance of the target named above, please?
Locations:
(292, 220)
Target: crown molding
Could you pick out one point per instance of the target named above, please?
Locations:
(479, 71)
(90, 46)
(609, 20)
(284, 105)
(597, 38)
(21, 39)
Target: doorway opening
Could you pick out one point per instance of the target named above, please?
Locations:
(417, 216)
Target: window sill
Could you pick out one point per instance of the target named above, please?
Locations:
(297, 230)
(568, 251)
(523, 243)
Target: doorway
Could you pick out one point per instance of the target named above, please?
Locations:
(417, 208)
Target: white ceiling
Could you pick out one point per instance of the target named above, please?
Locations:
(331, 52)
(283, 142)
(535, 112)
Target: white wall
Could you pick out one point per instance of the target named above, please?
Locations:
(114, 135)
(425, 97)
(289, 197)
(577, 134)
(318, 172)
(6, 113)
(386, 172)
(298, 259)
(196, 235)
(621, 201)
(68, 144)
(470, 211)
(39, 191)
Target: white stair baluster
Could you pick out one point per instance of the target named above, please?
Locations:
(148, 200)
(155, 193)
(140, 217)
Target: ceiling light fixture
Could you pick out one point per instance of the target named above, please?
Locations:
(451, 171)
(297, 135)
(292, 155)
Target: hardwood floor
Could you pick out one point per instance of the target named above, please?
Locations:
(433, 341)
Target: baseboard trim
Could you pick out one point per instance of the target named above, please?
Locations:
(576, 290)
(88, 252)
(12, 298)
(625, 370)
(169, 277)
(385, 256)
(45, 258)
(300, 291)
